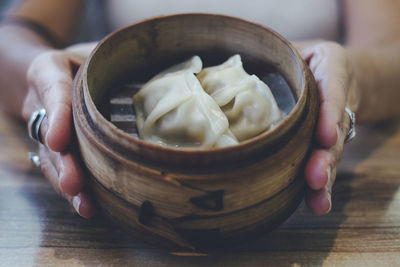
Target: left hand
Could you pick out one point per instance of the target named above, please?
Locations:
(337, 86)
(50, 79)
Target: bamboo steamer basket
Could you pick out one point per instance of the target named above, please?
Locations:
(193, 198)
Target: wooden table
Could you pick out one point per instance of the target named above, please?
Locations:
(37, 226)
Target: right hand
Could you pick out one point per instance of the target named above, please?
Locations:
(338, 88)
(50, 79)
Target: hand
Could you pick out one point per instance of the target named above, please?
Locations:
(338, 88)
(50, 79)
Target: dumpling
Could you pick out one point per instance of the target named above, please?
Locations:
(246, 100)
(172, 109)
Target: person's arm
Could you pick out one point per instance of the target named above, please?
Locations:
(34, 74)
(20, 44)
(373, 43)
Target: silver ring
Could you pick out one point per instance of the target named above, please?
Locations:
(34, 158)
(352, 129)
(34, 123)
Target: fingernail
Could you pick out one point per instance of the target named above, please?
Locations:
(60, 183)
(76, 202)
(329, 197)
(60, 174)
(328, 171)
(328, 194)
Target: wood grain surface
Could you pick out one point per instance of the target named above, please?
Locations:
(38, 228)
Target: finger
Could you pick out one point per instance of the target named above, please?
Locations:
(50, 164)
(332, 89)
(319, 202)
(320, 173)
(318, 168)
(71, 174)
(82, 50)
(328, 124)
(32, 103)
(322, 162)
(331, 70)
(48, 168)
(51, 76)
(84, 205)
(79, 53)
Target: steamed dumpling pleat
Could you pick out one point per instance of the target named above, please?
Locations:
(172, 109)
(246, 100)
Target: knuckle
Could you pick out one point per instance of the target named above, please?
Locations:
(47, 78)
(330, 48)
(37, 64)
(40, 71)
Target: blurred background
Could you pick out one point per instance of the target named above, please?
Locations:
(92, 26)
(4, 5)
